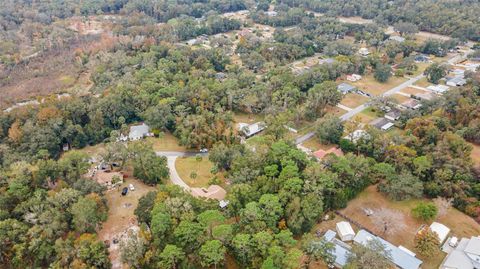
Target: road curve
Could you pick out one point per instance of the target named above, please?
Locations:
(171, 158)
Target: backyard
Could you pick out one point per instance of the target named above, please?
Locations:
(353, 100)
(202, 168)
(370, 85)
(393, 220)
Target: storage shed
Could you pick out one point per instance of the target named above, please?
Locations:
(345, 231)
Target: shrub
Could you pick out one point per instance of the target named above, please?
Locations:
(425, 211)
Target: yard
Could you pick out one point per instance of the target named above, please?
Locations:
(165, 142)
(370, 85)
(401, 227)
(423, 83)
(186, 165)
(247, 118)
(121, 215)
(353, 100)
(336, 111)
(400, 98)
(315, 145)
(410, 90)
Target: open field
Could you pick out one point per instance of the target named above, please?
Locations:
(186, 165)
(121, 215)
(400, 98)
(354, 20)
(423, 83)
(353, 100)
(247, 118)
(370, 85)
(365, 118)
(165, 142)
(410, 90)
(315, 145)
(401, 226)
(336, 111)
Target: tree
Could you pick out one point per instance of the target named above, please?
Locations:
(87, 213)
(329, 130)
(425, 211)
(293, 258)
(402, 187)
(193, 175)
(212, 253)
(372, 256)
(435, 72)
(320, 96)
(427, 242)
(210, 218)
(147, 166)
(171, 256)
(382, 72)
(405, 28)
(145, 206)
(319, 249)
(133, 250)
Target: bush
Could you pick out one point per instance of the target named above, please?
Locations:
(425, 211)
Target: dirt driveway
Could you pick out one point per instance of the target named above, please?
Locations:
(121, 216)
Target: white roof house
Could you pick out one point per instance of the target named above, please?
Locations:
(465, 256)
(345, 231)
(441, 230)
(251, 129)
(354, 77)
(397, 38)
(356, 135)
(439, 89)
(341, 250)
(138, 132)
(363, 51)
(345, 88)
(456, 81)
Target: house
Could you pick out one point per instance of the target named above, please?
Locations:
(412, 104)
(212, 192)
(345, 231)
(383, 124)
(401, 258)
(425, 96)
(320, 154)
(441, 230)
(393, 115)
(345, 88)
(397, 38)
(456, 81)
(250, 130)
(466, 255)
(438, 89)
(341, 250)
(364, 52)
(66, 147)
(138, 132)
(354, 77)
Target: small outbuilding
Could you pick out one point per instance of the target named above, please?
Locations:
(441, 230)
(345, 231)
(138, 132)
(456, 81)
(345, 88)
(438, 89)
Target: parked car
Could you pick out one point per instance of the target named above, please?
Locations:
(131, 187)
(124, 191)
(204, 150)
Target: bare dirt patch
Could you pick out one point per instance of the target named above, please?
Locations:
(353, 100)
(120, 216)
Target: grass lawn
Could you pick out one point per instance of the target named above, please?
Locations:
(315, 145)
(423, 83)
(247, 118)
(353, 100)
(401, 226)
(421, 68)
(185, 166)
(410, 90)
(335, 111)
(365, 118)
(165, 142)
(400, 98)
(370, 112)
(370, 85)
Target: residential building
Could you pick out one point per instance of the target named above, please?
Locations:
(346, 88)
(421, 58)
(249, 130)
(456, 81)
(393, 115)
(397, 38)
(412, 104)
(383, 124)
(341, 250)
(356, 135)
(438, 89)
(466, 255)
(354, 77)
(320, 154)
(400, 258)
(138, 132)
